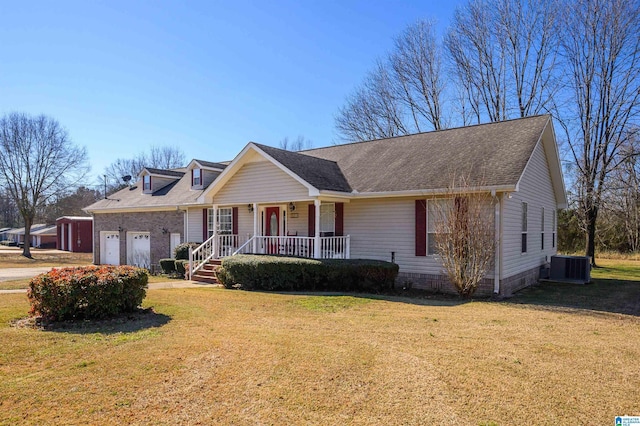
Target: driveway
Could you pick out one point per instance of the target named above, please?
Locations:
(10, 274)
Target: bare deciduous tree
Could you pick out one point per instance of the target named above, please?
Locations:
(37, 160)
(465, 237)
(373, 110)
(601, 47)
(298, 144)
(417, 68)
(503, 53)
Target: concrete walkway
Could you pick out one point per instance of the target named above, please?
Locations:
(11, 274)
(152, 286)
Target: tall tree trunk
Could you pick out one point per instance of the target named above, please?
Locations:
(26, 251)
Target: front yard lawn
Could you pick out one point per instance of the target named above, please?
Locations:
(58, 258)
(215, 356)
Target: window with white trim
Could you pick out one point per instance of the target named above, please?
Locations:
(197, 177)
(225, 221)
(524, 227)
(327, 219)
(146, 183)
(436, 215)
(542, 230)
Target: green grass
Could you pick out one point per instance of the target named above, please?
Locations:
(615, 287)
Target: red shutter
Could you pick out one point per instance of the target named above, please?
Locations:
(205, 223)
(234, 219)
(421, 228)
(312, 220)
(339, 219)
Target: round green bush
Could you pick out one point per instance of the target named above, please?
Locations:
(182, 250)
(89, 292)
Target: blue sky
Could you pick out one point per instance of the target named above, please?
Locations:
(208, 76)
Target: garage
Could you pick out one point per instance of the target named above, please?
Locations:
(109, 248)
(139, 249)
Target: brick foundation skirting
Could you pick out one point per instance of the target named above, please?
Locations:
(441, 284)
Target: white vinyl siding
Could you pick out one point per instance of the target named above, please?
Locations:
(261, 182)
(194, 225)
(380, 226)
(536, 190)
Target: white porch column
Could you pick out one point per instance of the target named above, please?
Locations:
(316, 243)
(214, 243)
(255, 227)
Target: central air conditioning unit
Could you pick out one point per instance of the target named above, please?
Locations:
(572, 269)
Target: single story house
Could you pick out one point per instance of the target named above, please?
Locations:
(372, 199)
(17, 234)
(75, 233)
(3, 233)
(44, 238)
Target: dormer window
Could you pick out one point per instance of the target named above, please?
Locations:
(196, 179)
(146, 183)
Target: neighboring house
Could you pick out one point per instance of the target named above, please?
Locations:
(44, 238)
(3, 233)
(142, 224)
(75, 233)
(17, 234)
(371, 199)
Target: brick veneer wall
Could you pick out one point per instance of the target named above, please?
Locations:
(152, 222)
(439, 283)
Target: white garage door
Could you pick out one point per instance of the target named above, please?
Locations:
(139, 249)
(109, 248)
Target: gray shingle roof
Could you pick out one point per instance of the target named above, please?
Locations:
(319, 172)
(211, 164)
(163, 172)
(492, 154)
(175, 194)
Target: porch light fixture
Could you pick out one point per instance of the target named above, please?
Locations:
(250, 207)
(165, 231)
(292, 206)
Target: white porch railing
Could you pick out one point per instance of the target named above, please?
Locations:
(219, 246)
(215, 247)
(330, 247)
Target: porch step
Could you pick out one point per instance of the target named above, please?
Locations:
(207, 274)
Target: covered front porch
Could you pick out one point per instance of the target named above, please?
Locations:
(279, 228)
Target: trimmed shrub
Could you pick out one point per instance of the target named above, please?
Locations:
(181, 266)
(182, 250)
(276, 273)
(168, 266)
(88, 292)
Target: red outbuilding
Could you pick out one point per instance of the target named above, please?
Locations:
(75, 233)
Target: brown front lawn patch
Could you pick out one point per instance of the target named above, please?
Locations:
(234, 357)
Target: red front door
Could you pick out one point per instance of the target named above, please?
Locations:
(272, 228)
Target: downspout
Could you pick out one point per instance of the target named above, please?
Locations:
(498, 245)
